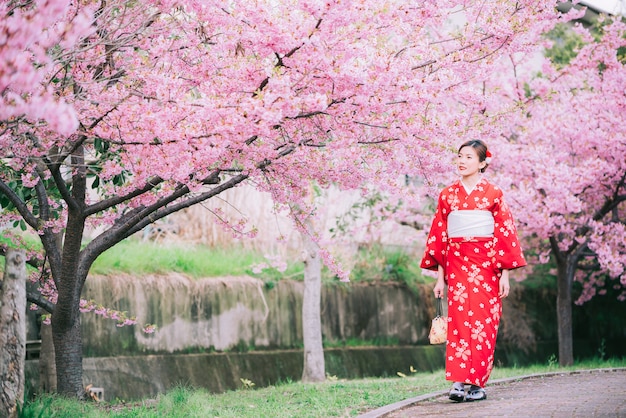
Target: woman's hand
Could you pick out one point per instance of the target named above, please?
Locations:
(441, 284)
(505, 287)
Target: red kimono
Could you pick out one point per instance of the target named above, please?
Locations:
(472, 267)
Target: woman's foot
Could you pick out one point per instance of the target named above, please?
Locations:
(475, 393)
(457, 393)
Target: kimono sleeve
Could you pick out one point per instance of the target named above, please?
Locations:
(509, 253)
(434, 253)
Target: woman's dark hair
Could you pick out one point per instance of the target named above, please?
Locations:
(481, 150)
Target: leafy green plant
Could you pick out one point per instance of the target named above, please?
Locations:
(379, 263)
(553, 361)
(247, 383)
(602, 349)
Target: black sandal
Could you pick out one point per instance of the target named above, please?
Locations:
(457, 394)
(476, 394)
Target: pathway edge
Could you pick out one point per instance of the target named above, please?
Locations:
(382, 411)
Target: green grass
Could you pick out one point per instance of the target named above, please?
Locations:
(134, 256)
(333, 398)
(137, 257)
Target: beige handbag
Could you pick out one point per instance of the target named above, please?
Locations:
(439, 328)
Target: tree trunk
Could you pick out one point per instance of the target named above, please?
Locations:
(67, 337)
(65, 321)
(314, 368)
(47, 368)
(12, 333)
(565, 275)
(68, 350)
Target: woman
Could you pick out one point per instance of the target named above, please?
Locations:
(472, 245)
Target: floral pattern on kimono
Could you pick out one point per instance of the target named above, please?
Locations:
(472, 268)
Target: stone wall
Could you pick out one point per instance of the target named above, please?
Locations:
(241, 313)
(142, 377)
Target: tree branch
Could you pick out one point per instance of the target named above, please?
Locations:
(613, 202)
(381, 141)
(39, 300)
(135, 220)
(490, 53)
(558, 254)
(42, 198)
(111, 202)
(447, 54)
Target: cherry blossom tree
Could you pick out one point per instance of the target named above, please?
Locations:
(28, 31)
(564, 163)
(178, 102)
(552, 117)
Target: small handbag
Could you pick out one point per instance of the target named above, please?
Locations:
(439, 328)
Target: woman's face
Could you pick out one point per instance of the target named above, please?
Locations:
(467, 162)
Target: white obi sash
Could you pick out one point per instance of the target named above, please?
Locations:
(470, 223)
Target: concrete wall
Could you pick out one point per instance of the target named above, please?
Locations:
(240, 313)
(141, 377)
